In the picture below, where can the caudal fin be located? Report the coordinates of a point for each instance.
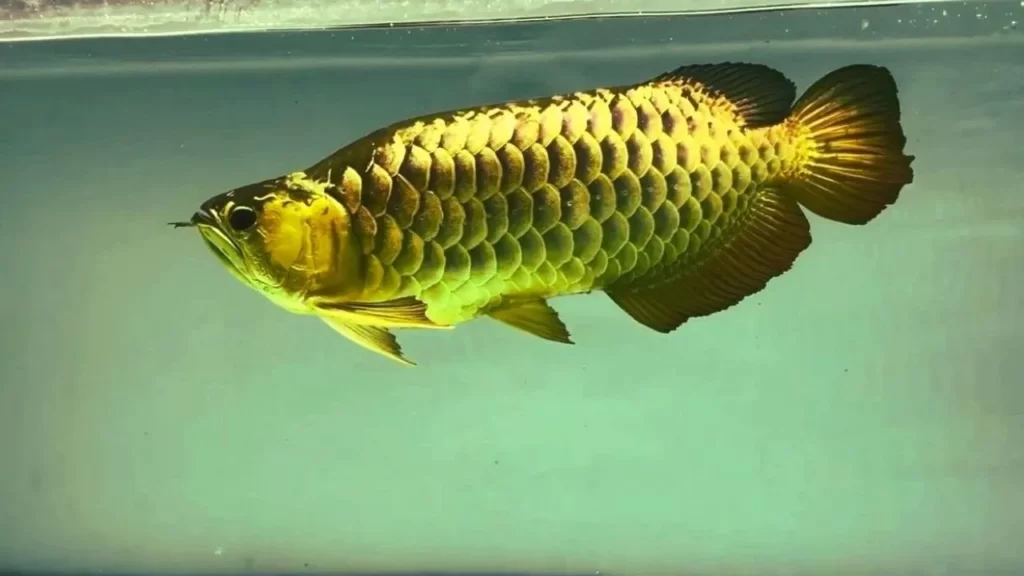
(855, 166)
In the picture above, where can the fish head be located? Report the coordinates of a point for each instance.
(286, 238)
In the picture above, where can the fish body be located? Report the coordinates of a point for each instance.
(677, 197)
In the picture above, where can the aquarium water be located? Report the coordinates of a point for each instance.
(861, 415)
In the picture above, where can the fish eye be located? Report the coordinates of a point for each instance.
(242, 218)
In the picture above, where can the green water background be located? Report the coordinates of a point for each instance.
(863, 415)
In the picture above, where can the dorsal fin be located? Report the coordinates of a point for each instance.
(762, 95)
(762, 245)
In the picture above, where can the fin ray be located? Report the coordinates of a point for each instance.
(535, 317)
(761, 95)
(763, 245)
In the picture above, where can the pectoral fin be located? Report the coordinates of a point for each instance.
(535, 317)
(374, 338)
(400, 313)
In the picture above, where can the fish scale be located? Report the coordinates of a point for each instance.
(563, 195)
(678, 197)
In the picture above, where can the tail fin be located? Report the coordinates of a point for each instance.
(855, 165)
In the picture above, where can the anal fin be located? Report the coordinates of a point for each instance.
(760, 245)
(535, 317)
(373, 338)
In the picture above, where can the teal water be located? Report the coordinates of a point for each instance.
(862, 415)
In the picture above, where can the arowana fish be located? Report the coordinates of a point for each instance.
(678, 197)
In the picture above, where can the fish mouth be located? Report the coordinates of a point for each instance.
(225, 248)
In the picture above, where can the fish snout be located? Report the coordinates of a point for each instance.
(205, 217)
